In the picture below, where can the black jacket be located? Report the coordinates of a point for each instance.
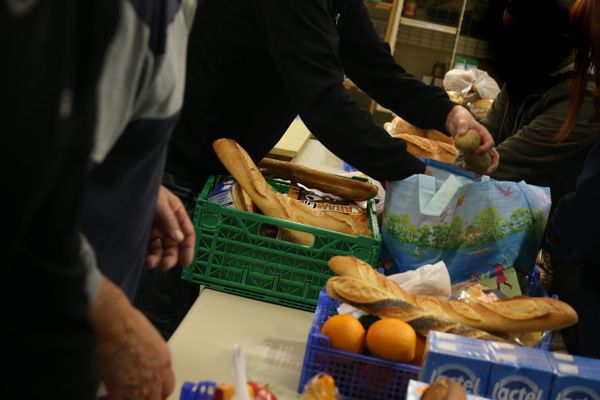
(51, 61)
(253, 65)
(574, 240)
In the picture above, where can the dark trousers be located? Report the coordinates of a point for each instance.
(164, 297)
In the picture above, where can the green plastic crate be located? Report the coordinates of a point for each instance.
(234, 257)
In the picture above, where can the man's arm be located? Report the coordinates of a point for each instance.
(133, 359)
(368, 63)
(304, 45)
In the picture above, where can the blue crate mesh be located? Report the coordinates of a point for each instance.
(356, 376)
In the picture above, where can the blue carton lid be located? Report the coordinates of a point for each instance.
(585, 371)
(523, 359)
(568, 358)
(434, 337)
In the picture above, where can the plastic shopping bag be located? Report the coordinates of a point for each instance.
(465, 82)
(476, 226)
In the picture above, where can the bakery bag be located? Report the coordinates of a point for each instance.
(475, 225)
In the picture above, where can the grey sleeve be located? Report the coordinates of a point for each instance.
(93, 274)
(494, 119)
(532, 151)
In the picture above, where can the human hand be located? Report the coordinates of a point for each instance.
(495, 161)
(460, 120)
(494, 155)
(172, 237)
(133, 359)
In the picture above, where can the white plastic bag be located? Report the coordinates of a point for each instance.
(465, 82)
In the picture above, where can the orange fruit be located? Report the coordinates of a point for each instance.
(419, 350)
(345, 332)
(392, 340)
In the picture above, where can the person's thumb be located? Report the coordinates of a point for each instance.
(168, 223)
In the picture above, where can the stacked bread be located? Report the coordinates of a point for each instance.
(428, 143)
(359, 285)
(246, 173)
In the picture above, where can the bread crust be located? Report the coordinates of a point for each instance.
(346, 188)
(246, 173)
(512, 315)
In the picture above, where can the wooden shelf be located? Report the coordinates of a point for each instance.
(417, 23)
(385, 6)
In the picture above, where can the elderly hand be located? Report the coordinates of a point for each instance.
(172, 237)
(460, 120)
(132, 357)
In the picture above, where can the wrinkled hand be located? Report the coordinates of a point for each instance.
(460, 120)
(133, 359)
(172, 237)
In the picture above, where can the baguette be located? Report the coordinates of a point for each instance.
(513, 315)
(346, 188)
(423, 147)
(398, 126)
(242, 168)
(354, 291)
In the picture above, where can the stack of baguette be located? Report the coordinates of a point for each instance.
(246, 173)
(428, 143)
(359, 285)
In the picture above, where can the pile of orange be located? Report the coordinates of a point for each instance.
(387, 338)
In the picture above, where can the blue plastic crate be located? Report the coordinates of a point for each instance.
(356, 376)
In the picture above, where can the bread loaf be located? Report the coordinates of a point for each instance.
(246, 173)
(512, 315)
(346, 188)
(423, 147)
(355, 292)
(398, 126)
(444, 389)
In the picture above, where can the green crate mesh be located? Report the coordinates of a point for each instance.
(234, 256)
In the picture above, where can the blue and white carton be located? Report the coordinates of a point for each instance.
(449, 356)
(571, 359)
(578, 380)
(519, 374)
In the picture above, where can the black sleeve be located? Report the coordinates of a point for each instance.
(52, 53)
(370, 65)
(304, 45)
(575, 226)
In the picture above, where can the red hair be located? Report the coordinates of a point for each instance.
(585, 23)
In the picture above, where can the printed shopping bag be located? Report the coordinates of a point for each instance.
(475, 225)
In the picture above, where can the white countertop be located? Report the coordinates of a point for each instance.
(272, 337)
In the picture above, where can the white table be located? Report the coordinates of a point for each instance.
(272, 337)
